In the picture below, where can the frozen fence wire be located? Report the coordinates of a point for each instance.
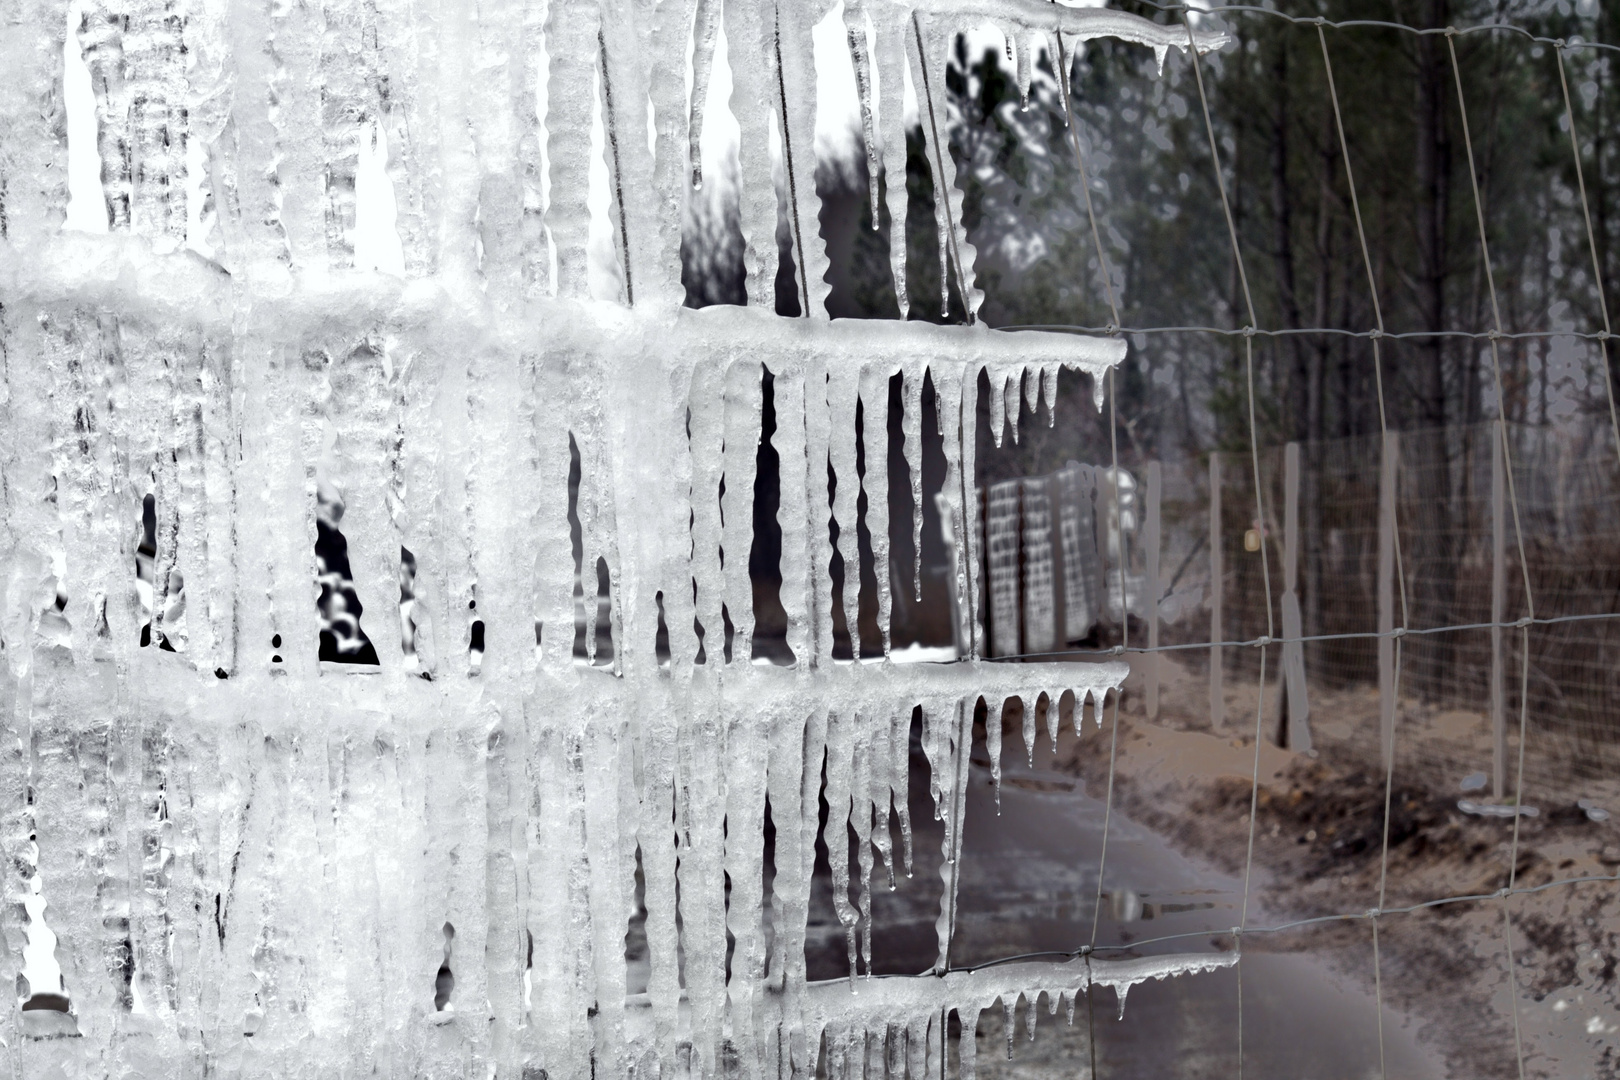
(428, 865)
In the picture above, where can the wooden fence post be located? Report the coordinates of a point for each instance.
(1498, 603)
(1293, 627)
(1150, 601)
(1217, 692)
(1386, 594)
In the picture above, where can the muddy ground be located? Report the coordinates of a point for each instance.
(1318, 850)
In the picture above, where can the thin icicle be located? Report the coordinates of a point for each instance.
(1058, 48)
(875, 481)
(911, 428)
(879, 734)
(743, 406)
(968, 407)
(1009, 1010)
(1054, 720)
(861, 58)
(1049, 387)
(1014, 400)
(891, 27)
(998, 405)
(933, 132)
(705, 30)
(835, 834)
(992, 743)
(843, 394)
(860, 818)
(900, 777)
(1029, 728)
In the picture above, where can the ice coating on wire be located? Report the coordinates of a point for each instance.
(428, 866)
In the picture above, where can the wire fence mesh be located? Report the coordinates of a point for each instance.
(1462, 580)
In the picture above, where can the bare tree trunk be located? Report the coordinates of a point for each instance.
(1316, 360)
(1429, 562)
(1282, 210)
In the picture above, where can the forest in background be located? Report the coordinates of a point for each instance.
(1183, 394)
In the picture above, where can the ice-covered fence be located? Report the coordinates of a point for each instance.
(255, 863)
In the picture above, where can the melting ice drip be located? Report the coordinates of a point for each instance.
(268, 856)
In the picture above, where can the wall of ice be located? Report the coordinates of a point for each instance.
(221, 852)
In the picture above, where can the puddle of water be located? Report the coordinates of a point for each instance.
(1029, 883)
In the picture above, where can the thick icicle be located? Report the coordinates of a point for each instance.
(790, 890)
(917, 1053)
(658, 858)
(747, 765)
(705, 425)
(743, 403)
(1032, 376)
(967, 1044)
(701, 871)
(948, 402)
(571, 39)
(799, 574)
(1026, 65)
(753, 94)
(488, 806)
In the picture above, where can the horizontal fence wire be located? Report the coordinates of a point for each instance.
(1262, 641)
(1369, 335)
(1200, 11)
(1275, 928)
